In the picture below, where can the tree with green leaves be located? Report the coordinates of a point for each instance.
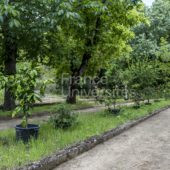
(152, 40)
(23, 26)
(142, 78)
(159, 16)
(103, 30)
(23, 87)
(163, 65)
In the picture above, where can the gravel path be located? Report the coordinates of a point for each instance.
(143, 147)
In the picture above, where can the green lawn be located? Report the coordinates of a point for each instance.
(51, 108)
(14, 154)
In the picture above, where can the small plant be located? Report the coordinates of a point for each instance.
(63, 118)
(136, 97)
(109, 98)
(142, 77)
(24, 86)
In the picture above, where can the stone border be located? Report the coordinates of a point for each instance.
(66, 154)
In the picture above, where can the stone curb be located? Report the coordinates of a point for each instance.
(66, 154)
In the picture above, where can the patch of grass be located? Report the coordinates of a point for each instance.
(51, 108)
(13, 154)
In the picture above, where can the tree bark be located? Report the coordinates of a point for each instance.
(10, 69)
(72, 91)
(10, 55)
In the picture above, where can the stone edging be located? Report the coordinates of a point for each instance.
(66, 154)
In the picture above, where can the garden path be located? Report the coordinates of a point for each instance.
(143, 147)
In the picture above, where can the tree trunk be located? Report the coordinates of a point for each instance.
(148, 101)
(72, 92)
(71, 99)
(9, 100)
(10, 55)
(90, 42)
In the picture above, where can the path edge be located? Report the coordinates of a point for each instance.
(52, 161)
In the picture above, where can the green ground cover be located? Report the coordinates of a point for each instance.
(51, 108)
(13, 154)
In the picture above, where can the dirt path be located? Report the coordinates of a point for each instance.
(143, 147)
(6, 124)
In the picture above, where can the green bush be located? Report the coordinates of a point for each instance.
(113, 111)
(63, 118)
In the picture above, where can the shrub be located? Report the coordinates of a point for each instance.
(113, 111)
(63, 118)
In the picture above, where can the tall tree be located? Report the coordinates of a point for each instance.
(23, 25)
(9, 22)
(103, 30)
(152, 40)
(159, 16)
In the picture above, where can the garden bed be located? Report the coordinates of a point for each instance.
(15, 154)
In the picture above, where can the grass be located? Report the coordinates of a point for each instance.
(51, 108)
(13, 154)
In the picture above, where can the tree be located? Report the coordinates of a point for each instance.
(152, 41)
(9, 22)
(159, 16)
(24, 83)
(114, 87)
(163, 65)
(89, 44)
(144, 47)
(23, 25)
(142, 76)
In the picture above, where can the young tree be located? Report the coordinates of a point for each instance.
(142, 77)
(163, 65)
